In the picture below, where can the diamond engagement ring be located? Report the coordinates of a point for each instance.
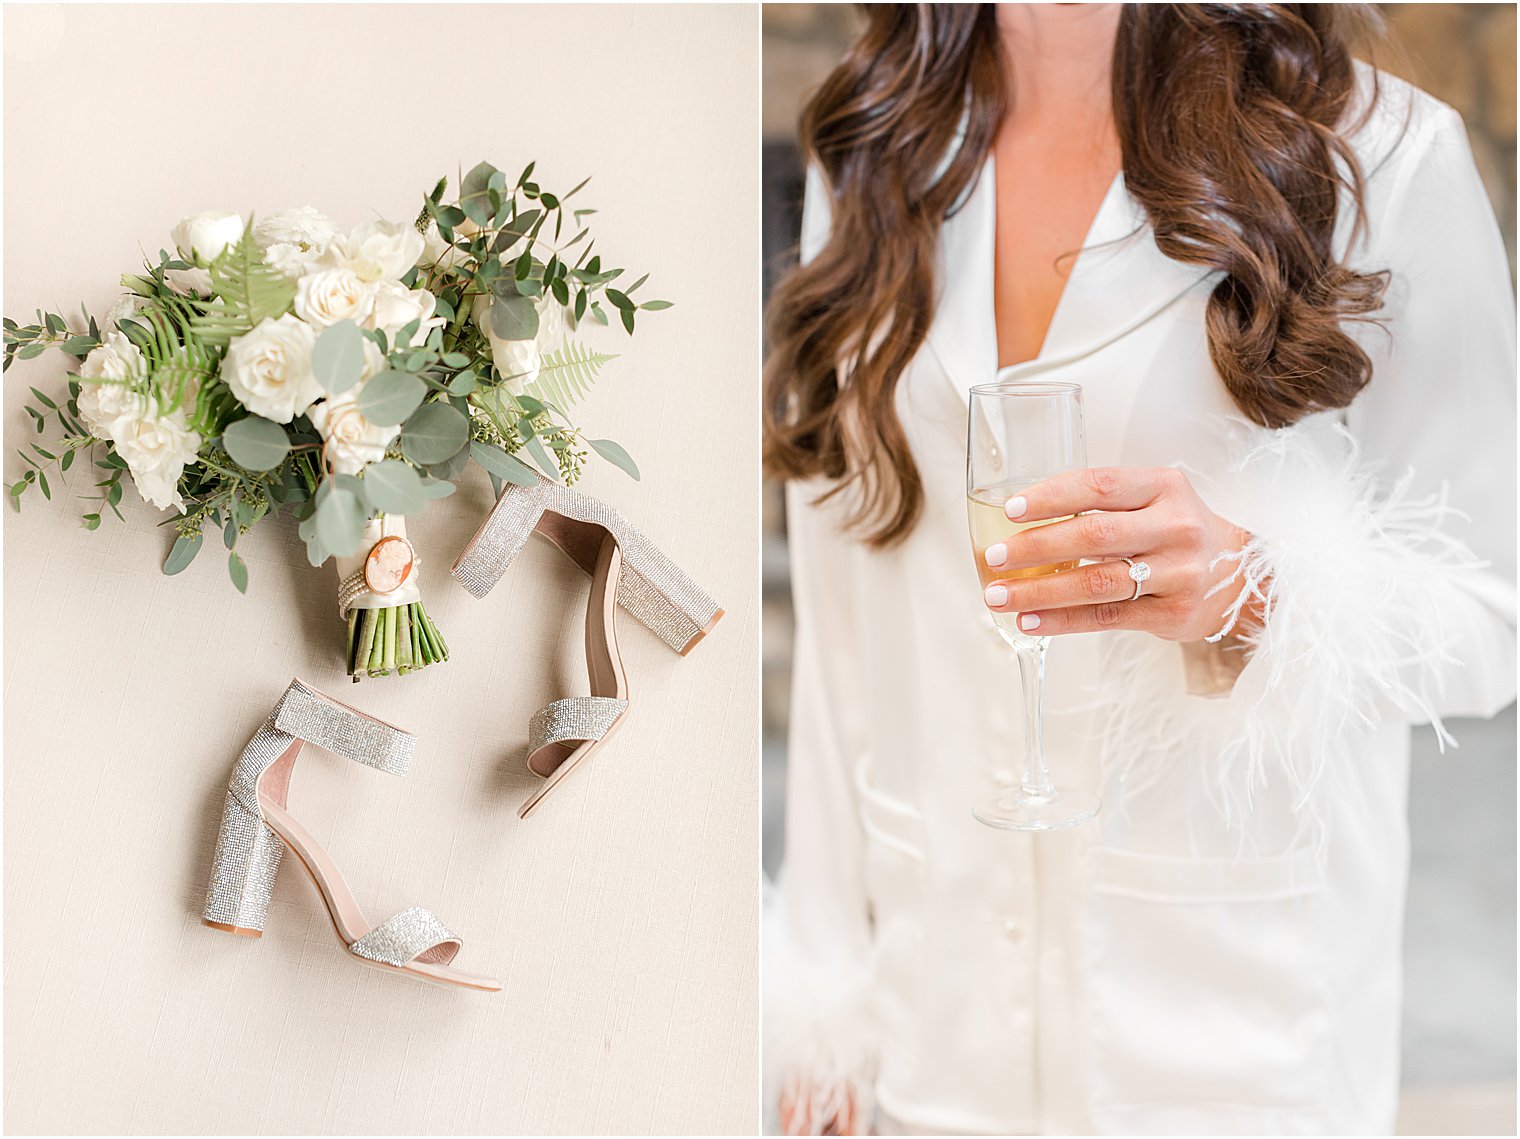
(1139, 573)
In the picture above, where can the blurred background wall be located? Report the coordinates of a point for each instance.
(1459, 1040)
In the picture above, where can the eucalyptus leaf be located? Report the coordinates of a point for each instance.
(389, 398)
(452, 467)
(475, 194)
(340, 519)
(514, 318)
(354, 485)
(542, 457)
(437, 488)
(615, 455)
(338, 358)
(256, 443)
(435, 433)
(237, 569)
(518, 228)
(182, 553)
(394, 487)
(503, 465)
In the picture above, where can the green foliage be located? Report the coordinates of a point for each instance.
(394, 487)
(337, 360)
(615, 455)
(247, 292)
(502, 465)
(390, 397)
(180, 365)
(28, 341)
(183, 552)
(435, 433)
(256, 443)
(565, 376)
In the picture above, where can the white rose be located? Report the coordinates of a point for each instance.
(129, 304)
(330, 295)
(202, 237)
(157, 448)
(436, 251)
(396, 306)
(294, 241)
(518, 361)
(189, 282)
(351, 440)
(378, 250)
(116, 362)
(269, 368)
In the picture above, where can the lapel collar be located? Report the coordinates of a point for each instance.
(1120, 281)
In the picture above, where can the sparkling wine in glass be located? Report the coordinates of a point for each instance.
(1020, 434)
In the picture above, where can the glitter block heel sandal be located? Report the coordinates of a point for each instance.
(625, 570)
(257, 828)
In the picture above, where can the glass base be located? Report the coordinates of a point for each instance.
(1013, 810)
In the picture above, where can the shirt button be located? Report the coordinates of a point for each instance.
(1012, 930)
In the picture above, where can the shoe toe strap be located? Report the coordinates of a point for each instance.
(575, 719)
(412, 935)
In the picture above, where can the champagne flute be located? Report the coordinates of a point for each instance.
(1021, 434)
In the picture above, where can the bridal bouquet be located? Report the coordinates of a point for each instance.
(349, 377)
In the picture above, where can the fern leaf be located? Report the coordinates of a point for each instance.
(248, 292)
(566, 376)
(179, 363)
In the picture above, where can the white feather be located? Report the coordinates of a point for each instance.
(1353, 577)
(819, 1034)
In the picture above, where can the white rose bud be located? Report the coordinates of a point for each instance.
(378, 250)
(189, 282)
(202, 237)
(157, 448)
(330, 295)
(115, 363)
(435, 250)
(269, 369)
(294, 241)
(351, 441)
(128, 305)
(518, 361)
(396, 306)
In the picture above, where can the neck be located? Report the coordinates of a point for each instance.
(1058, 59)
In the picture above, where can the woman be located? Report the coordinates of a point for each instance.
(1293, 323)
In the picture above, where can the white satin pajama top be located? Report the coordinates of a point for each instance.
(1219, 952)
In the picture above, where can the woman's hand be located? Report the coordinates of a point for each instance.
(1149, 514)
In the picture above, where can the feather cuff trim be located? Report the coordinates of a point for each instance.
(1355, 582)
(819, 1036)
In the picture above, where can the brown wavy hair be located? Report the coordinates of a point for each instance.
(1231, 133)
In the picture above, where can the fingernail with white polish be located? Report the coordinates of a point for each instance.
(1015, 506)
(996, 555)
(996, 595)
(1029, 622)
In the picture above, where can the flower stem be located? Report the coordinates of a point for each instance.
(397, 640)
(404, 639)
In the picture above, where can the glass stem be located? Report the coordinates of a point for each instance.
(1036, 782)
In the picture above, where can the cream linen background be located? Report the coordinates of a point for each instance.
(622, 918)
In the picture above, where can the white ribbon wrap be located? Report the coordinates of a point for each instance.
(386, 526)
